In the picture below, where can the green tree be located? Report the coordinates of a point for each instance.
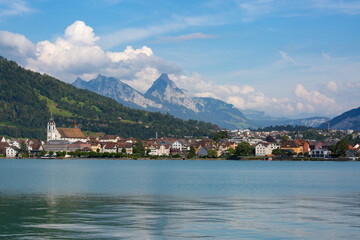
(231, 151)
(285, 138)
(23, 148)
(276, 152)
(212, 153)
(123, 150)
(139, 148)
(270, 139)
(221, 135)
(51, 153)
(192, 152)
(342, 147)
(243, 149)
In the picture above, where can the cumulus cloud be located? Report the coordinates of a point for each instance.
(332, 86)
(78, 53)
(314, 100)
(16, 46)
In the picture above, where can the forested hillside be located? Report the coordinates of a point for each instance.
(27, 98)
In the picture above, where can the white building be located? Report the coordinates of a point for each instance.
(177, 145)
(67, 134)
(320, 153)
(11, 151)
(265, 148)
(159, 150)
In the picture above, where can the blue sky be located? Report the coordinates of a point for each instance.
(285, 57)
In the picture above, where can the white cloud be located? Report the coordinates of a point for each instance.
(314, 100)
(13, 8)
(16, 46)
(332, 86)
(78, 53)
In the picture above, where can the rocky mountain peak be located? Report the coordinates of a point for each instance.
(161, 85)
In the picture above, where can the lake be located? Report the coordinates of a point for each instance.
(174, 199)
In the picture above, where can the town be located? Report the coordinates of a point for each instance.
(233, 144)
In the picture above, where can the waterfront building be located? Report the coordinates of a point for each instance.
(66, 134)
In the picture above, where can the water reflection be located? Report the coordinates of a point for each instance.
(167, 217)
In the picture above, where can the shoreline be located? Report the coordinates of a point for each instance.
(195, 159)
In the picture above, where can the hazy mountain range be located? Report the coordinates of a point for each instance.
(164, 96)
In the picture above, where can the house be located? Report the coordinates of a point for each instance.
(3, 146)
(79, 145)
(67, 134)
(95, 145)
(313, 144)
(351, 154)
(298, 146)
(110, 138)
(320, 153)
(109, 147)
(159, 150)
(125, 145)
(202, 152)
(176, 146)
(265, 148)
(11, 151)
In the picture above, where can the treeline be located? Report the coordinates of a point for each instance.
(289, 128)
(27, 98)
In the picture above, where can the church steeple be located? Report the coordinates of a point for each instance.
(51, 129)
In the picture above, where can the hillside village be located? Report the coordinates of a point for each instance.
(237, 144)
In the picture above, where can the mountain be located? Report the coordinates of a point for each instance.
(164, 96)
(307, 122)
(345, 121)
(27, 98)
(117, 90)
(261, 119)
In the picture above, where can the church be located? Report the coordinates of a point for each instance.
(67, 134)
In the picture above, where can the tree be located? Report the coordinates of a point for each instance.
(51, 153)
(270, 139)
(276, 152)
(123, 150)
(139, 148)
(192, 152)
(342, 147)
(231, 151)
(243, 149)
(212, 153)
(285, 138)
(23, 148)
(221, 135)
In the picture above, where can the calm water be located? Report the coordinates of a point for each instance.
(104, 199)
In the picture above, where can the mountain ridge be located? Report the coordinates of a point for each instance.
(27, 98)
(168, 98)
(345, 121)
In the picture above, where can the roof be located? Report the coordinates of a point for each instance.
(110, 145)
(108, 137)
(71, 133)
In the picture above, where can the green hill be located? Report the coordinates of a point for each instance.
(27, 98)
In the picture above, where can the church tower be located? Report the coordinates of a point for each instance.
(51, 130)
